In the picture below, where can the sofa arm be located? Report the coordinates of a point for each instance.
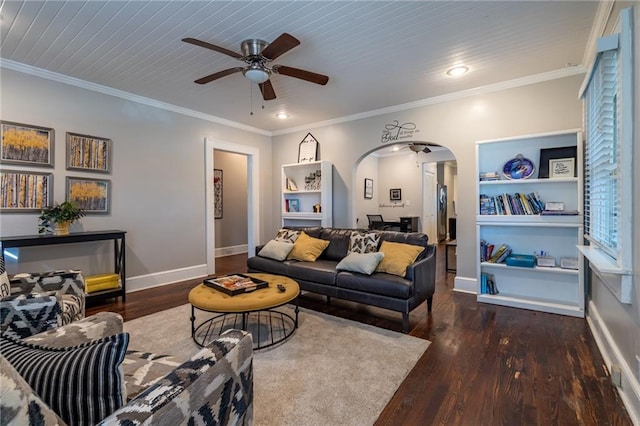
(214, 387)
(70, 284)
(95, 327)
(423, 276)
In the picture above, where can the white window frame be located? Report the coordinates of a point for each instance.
(614, 267)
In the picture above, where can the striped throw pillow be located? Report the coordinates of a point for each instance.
(82, 384)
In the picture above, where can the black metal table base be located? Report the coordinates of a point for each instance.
(268, 327)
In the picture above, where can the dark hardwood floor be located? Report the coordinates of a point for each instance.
(487, 365)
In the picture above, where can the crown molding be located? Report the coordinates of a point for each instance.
(72, 81)
(509, 84)
(599, 26)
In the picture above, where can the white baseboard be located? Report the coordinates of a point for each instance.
(142, 282)
(228, 251)
(465, 285)
(630, 390)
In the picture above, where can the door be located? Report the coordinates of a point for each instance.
(429, 204)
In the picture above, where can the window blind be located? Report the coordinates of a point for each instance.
(602, 176)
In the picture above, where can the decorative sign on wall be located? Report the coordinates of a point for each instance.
(308, 149)
(395, 131)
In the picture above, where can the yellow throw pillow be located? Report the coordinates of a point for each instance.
(397, 257)
(307, 249)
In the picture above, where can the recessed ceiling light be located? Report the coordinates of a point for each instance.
(457, 71)
(395, 148)
(282, 115)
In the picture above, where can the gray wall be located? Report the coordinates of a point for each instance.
(456, 125)
(158, 178)
(231, 230)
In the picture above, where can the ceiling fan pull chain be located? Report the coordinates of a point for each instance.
(251, 99)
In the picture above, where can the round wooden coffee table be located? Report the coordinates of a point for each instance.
(255, 312)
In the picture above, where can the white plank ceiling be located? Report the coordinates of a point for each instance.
(378, 54)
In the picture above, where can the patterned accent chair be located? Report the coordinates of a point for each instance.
(38, 302)
(214, 387)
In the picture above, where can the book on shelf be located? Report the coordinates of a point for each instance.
(500, 254)
(517, 204)
(291, 185)
(559, 213)
(487, 205)
(488, 284)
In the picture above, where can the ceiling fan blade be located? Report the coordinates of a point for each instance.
(279, 46)
(212, 47)
(268, 93)
(217, 75)
(301, 74)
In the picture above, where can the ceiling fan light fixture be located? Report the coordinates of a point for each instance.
(256, 74)
(457, 71)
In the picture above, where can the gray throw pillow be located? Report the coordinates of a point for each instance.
(363, 263)
(276, 250)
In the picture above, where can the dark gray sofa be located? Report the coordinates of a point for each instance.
(401, 294)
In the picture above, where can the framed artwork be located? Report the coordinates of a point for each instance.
(26, 145)
(395, 194)
(217, 193)
(88, 153)
(91, 195)
(555, 153)
(561, 167)
(27, 192)
(368, 189)
(294, 205)
(308, 149)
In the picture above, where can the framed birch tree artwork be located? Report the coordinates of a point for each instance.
(88, 153)
(91, 195)
(23, 191)
(26, 145)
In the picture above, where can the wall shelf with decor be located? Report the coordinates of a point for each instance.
(531, 213)
(306, 194)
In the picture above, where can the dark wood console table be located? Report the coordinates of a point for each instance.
(119, 250)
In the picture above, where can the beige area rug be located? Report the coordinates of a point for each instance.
(331, 371)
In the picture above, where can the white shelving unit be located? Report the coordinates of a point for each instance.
(547, 289)
(307, 198)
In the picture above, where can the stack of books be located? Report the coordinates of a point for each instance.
(489, 176)
(488, 284)
(511, 204)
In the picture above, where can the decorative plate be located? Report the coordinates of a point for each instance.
(518, 168)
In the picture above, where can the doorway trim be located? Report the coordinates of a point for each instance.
(253, 196)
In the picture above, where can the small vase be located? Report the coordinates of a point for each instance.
(61, 228)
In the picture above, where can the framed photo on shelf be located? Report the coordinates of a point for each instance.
(217, 193)
(395, 194)
(26, 145)
(25, 192)
(562, 167)
(294, 205)
(88, 153)
(91, 195)
(547, 154)
(368, 189)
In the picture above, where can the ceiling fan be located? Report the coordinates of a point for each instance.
(419, 147)
(258, 54)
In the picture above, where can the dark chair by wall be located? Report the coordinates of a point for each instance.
(377, 222)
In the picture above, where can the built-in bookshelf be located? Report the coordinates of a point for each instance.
(525, 228)
(307, 194)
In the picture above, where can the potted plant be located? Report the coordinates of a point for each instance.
(59, 217)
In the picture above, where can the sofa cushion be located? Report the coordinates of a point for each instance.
(19, 404)
(56, 373)
(413, 238)
(364, 263)
(143, 369)
(312, 231)
(397, 257)
(321, 271)
(276, 250)
(263, 264)
(287, 235)
(364, 242)
(27, 314)
(378, 283)
(338, 242)
(307, 249)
